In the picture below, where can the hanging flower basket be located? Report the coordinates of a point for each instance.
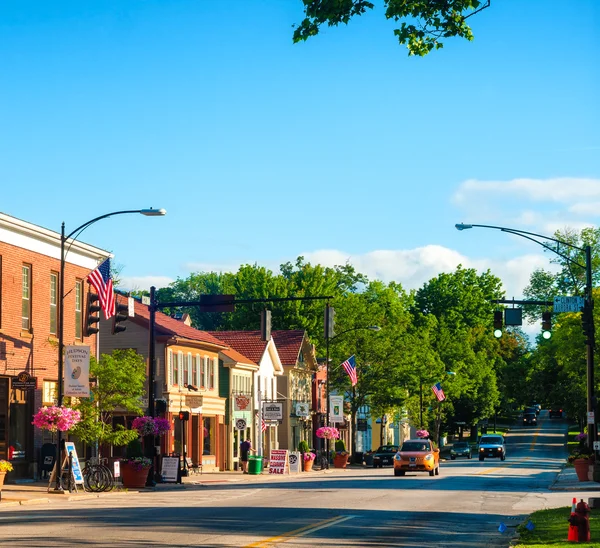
(56, 418)
(422, 434)
(151, 426)
(328, 433)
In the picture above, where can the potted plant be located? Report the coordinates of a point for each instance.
(340, 460)
(5, 467)
(328, 433)
(581, 463)
(135, 467)
(308, 460)
(56, 418)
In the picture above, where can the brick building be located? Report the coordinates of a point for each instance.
(29, 298)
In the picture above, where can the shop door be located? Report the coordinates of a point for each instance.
(3, 419)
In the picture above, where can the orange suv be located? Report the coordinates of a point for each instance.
(417, 456)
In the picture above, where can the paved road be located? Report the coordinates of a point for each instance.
(371, 508)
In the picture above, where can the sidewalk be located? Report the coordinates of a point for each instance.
(567, 481)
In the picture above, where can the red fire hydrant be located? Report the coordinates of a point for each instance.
(581, 520)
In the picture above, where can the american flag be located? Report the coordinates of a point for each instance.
(350, 366)
(439, 393)
(102, 282)
(263, 426)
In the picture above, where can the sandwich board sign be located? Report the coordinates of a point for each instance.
(169, 469)
(279, 461)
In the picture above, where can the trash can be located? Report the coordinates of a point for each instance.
(255, 464)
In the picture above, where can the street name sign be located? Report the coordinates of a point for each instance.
(568, 304)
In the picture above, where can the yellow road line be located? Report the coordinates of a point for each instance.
(490, 470)
(299, 532)
(533, 441)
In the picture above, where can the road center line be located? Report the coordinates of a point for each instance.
(302, 531)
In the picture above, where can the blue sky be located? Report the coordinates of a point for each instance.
(341, 148)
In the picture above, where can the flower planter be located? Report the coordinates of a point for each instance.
(340, 461)
(132, 478)
(582, 467)
(308, 465)
(2, 476)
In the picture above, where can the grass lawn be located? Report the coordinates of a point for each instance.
(552, 528)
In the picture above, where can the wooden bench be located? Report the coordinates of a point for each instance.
(193, 468)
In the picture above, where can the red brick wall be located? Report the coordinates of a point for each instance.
(19, 350)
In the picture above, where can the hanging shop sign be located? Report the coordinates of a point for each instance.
(24, 381)
(302, 409)
(273, 411)
(241, 402)
(241, 424)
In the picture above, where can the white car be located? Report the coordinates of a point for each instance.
(492, 446)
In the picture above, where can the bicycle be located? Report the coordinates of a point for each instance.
(97, 477)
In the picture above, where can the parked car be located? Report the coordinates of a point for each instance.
(556, 413)
(530, 418)
(417, 456)
(460, 449)
(492, 446)
(384, 456)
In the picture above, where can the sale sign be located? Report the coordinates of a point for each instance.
(279, 461)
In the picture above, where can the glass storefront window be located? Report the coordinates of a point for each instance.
(208, 436)
(19, 428)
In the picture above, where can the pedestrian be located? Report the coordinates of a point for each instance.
(245, 448)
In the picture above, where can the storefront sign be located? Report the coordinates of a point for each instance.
(169, 469)
(241, 402)
(273, 411)
(302, 410)
(279, 461)
(194, 401)
(336, 409)
(295, 462)
(241, 424)
(24, 381)
(77, 371)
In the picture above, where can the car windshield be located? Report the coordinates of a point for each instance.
(491, 439)
(529, 415)
(415, 446)
(388, 449)
(461, 445)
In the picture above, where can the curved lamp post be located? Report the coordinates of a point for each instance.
(61, 295)
(327, 341)
(588, 306)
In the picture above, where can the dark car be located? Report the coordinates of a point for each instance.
(460, 449)
(492, 445)
(556, 413)
(530, 418)
(384, 456)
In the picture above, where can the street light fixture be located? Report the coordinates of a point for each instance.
(588, 306)
(61, 295)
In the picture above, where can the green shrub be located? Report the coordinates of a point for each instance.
(134, 449)
(303, 447)
(340, 445)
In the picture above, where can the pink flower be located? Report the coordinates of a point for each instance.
(328, 432)
(55, 418)
(422, 434)
(309, 456)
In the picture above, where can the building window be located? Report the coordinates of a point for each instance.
(196, 370)
(203, 373)
(26, 298)
(209, 426)
(211, 375)
(49, 392)
(79, 309)
(0, 292)
(169, 368)
(180, 366)
(174, 369)
(53, 303)
(187, 366)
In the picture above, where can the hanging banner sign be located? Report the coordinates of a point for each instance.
(272, 411)
(279, 461)
(336, 408)
(241, 402)
(77, 371)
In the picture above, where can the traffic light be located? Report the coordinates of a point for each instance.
(546, 325)
(329, 322)
(92, 314)
(498, 323)
(587, 320)
(184, 415)
(121, 315)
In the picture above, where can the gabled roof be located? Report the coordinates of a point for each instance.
(165, 325)
(247, 343)
(289, 345)
(234, 355)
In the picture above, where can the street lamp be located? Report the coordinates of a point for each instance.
(588, 306)
(327, 341)
(61, 295)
